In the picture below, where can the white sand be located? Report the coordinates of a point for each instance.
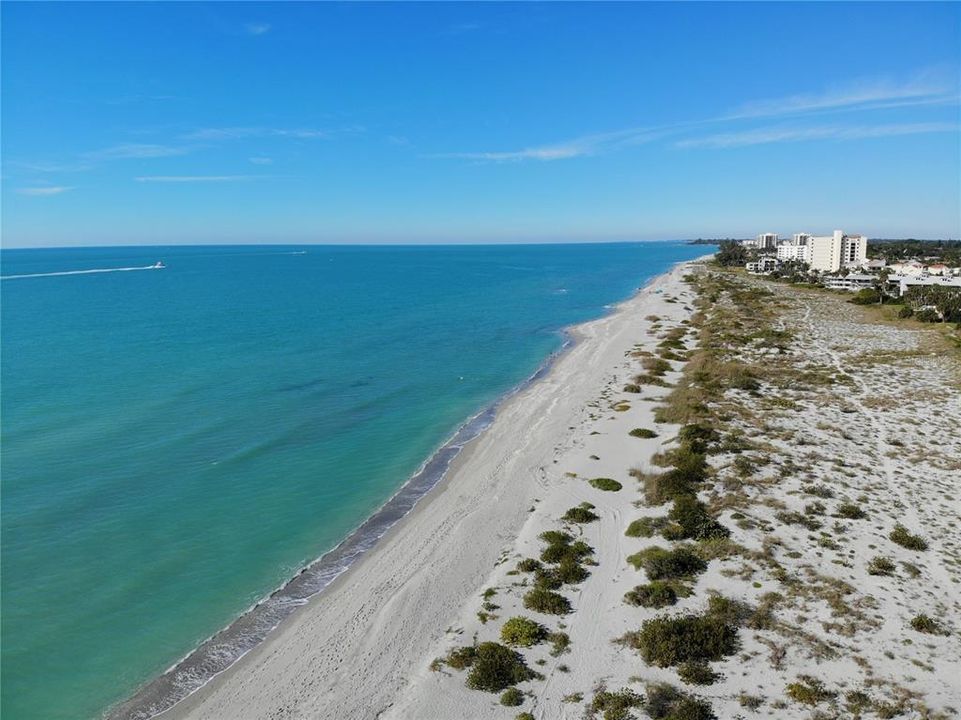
(353, 651)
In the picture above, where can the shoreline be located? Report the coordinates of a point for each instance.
(315, 577)
(170, 694)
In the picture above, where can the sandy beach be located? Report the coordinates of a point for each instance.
(815, 462)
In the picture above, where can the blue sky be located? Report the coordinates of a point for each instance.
(162, 123)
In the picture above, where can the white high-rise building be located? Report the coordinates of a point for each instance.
(766, 241)
(830, 253)
(854, 252)
(788, 252)
(800, 239)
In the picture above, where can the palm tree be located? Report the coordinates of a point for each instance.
(880, 285)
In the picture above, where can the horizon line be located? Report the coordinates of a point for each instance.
(689, 240)
(359, 244)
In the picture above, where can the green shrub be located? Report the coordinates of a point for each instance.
(732, 612)
(655, 594)
(669, 354)
(902, 537)
(606, 484)
(460, 658)
(632, 388)
(661, 699)
(692, 520)
(665, 702)
(547, 602)
(496, 667)
(856, 701)
(689, 464)
(689, 469)
(560, 642)
(698, 437)
(580, 515)
(924, 624)
(672, 640)
(850, 511)
(866, 296)
(556, 537)
(571, 572)
(881, 566)
(558, 552)
(657, 367)
(905, 312)
(697, 673)
(578, 550)
(643, 433)
(524, 716)
(648, 379)
(659, 488)
(615, 705)
(808, 691)
(927, 315)
(547, 578)
(512, 697)
(528, 565)
(660, 564)
(522, 632)
(821, 491)
(646, 527)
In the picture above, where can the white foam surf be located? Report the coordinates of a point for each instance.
(80, 272)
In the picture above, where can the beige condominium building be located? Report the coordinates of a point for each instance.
(830, 253)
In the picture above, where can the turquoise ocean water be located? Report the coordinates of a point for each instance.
(179, 442)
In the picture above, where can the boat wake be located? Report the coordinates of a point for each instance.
(155, 266)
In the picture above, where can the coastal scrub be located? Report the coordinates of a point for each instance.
(659, 563)
(606, 484)
(902, 537)
(522, 632)
(672, 640)
(547, 602)
(493, 667)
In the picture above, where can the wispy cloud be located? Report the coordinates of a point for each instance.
(257, 28)
(585, 145)
(261, 160)
(135, 151)
(193, 178)
(237, 133)
(48, 167)
(44, 191)
(547, 152)
(926, 88)
(766, 136)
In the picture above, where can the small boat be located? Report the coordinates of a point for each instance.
(159, 265)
